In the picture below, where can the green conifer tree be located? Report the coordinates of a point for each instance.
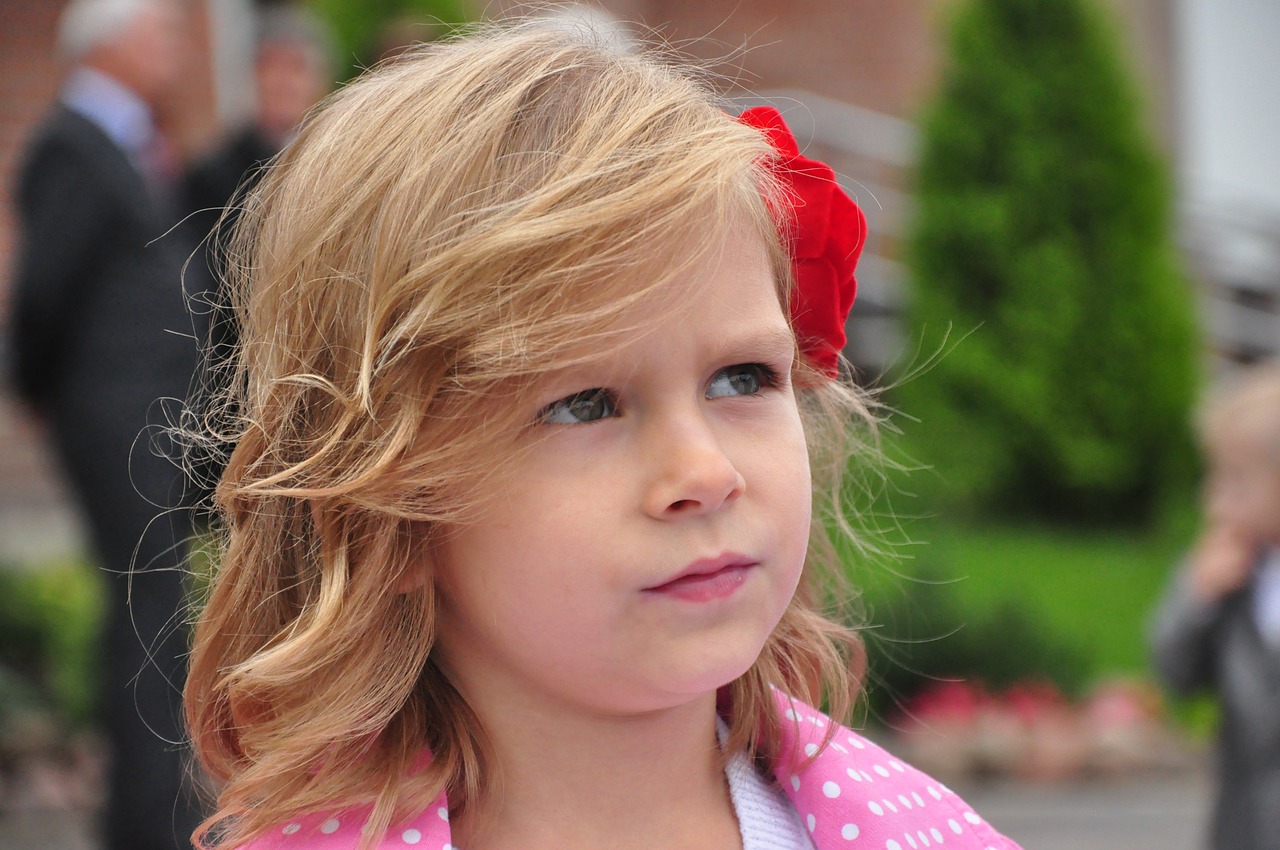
(1041, 250)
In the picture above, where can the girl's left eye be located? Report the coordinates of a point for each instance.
(743, 379)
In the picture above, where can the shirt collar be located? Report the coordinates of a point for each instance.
(113, 107)
(1266, 596)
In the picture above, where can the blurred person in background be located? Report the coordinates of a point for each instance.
(292, 71)
(100, 334)
(1218, 628)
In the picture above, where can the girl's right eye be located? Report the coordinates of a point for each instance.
(586, 406)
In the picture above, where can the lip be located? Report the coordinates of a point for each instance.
(706, 579)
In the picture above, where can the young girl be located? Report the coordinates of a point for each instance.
(537, 344)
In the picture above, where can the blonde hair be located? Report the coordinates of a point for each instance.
(1246, 405)
(443, 231)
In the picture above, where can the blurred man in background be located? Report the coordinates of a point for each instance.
(100, 334)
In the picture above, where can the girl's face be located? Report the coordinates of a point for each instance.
(651, 534)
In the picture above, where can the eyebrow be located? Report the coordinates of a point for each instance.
(774, 340)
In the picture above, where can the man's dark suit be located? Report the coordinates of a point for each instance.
(100, 333)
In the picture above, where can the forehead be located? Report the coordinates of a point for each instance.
(729, 286)
(726, 301)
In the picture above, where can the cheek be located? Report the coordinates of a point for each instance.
(791, 482)
(1269, 507)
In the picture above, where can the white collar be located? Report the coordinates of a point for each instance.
(1266, 596)
(115, 108)
(766, 818)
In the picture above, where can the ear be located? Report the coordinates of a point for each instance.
(417, 572)
(413, 578)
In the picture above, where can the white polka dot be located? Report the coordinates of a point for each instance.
(937, 836)
(882, 770)
(897, 765)
(888, 804)
(911, 841)
(924, 839)
(839, 748)
(867, 776)
(791, 715)
(810, 749)
(411, 836)
(875, 808)
(795, 783)
(443, 812)
(330, 826)
(292, 828)
(955, 827)
(448, 847)
(849, 831)
(972, 818)
(857, 744)
(853, 774)
(822, 724)
(892, 845)
(831, 789)
(934, 793)
(812, 822)
(917, 798)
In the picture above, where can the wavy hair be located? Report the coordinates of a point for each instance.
(443, 231)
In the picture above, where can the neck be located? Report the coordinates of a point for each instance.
(584, 780)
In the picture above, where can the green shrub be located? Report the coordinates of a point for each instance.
(1043, 268)
(49, 623)
(922, 636)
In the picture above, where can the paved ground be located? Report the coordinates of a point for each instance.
(1148, 814)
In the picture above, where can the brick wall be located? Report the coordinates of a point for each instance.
(33, 518)
(877, 54)
(36, 520)
(28, 80)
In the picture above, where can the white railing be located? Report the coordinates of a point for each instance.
(1235, 256)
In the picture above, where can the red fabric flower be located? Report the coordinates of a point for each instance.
(826, 231)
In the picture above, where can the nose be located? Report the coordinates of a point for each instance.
(692, 472)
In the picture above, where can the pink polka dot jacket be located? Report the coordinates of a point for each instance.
(851, 794)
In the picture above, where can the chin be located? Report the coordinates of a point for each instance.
(719, 672)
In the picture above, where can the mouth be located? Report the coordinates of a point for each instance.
(706, 579)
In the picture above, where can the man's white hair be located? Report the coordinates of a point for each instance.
(87, 23)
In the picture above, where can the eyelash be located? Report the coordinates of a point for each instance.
(767, 376)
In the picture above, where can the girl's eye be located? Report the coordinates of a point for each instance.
(743, 379)
(586, 406)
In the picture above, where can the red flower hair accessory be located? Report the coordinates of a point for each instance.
(826, 231)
